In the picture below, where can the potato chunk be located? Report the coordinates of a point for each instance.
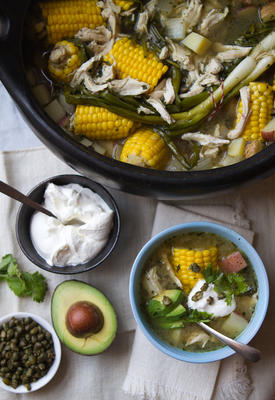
(198, 43)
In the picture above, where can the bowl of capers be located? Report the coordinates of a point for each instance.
(30, 352)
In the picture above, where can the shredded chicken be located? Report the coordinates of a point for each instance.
(198, 337)
(228, 52)
(100, 34)
(213, 66)
(213, 18)
(85, 67)
(181, 55)
(108, 73)
(128, 87)
(151, 282)
(245, 98)
(164, 91)
(91, 85)
(158, 105)
(204, 140)
(144, 110)
(191, 15)
(145, 16)
(164, 53)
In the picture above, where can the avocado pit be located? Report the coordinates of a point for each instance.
(84, 319)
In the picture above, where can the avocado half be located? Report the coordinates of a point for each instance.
(69, 300)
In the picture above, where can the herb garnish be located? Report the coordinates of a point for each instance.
(226, 284)
(20, 282)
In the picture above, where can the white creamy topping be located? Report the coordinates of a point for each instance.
(81, 230)
(217, 307)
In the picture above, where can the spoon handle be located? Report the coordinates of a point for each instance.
(16, 195)
(248, 352)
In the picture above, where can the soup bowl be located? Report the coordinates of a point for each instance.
(244, 246)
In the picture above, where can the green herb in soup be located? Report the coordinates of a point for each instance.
(175, 85)
(197, 277)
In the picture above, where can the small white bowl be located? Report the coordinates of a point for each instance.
(57, 348)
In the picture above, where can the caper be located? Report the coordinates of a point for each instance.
(28, 386)
(41, 366)
(197, 296)
(37, 346)
(14, 383)
(41, 357)
(5, 326)
(6, 381)
(3, 334)
(34, 331)
(40, 337)
(29, 372)
(8, 375)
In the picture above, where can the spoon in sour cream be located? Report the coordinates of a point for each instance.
(16, 195)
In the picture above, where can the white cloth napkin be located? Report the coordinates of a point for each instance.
(102, 377)
(151, 374)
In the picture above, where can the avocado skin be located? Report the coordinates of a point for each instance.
(96, 343)
(155, 306)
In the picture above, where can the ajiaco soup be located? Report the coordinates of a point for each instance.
(197, 277)
(174, 85)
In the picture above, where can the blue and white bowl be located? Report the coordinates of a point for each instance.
(261, 305)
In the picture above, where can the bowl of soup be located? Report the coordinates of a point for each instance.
(152, 102)
(198, 272)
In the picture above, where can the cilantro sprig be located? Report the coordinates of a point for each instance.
(20, 282)
(226, 284)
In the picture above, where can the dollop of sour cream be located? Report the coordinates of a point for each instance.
(81, 230)
(209, 302)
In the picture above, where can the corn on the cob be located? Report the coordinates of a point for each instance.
(64, 59)
(261, 102)
(99, 123)
(182, 260)
(124, 4)
(145, 148)
(132, 61)
(64, 18)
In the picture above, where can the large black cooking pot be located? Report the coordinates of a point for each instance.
(112, 173)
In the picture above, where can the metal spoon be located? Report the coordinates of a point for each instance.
(248, 352)
(16, 195)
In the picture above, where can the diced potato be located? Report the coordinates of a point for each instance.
(268, 132)
(228, 160)
(246, 305)
(234, 325)
(268, 12)
(42, 94)
(236, 147)
(198, 43)
(253, 148)
(55, 110)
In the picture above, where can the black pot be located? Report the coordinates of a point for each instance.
(112, 173)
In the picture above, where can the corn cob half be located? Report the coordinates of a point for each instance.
(131, 60)
(185, 262)
(99, 123)
(124, 4)
(64, 18)
(64, 59)
(261, 102)
(145, 148)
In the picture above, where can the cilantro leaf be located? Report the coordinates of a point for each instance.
(22, 283)
(238, 283)
(210, 274)
(37, 285)
(198, 316)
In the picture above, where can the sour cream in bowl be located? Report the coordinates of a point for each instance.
(83, 234)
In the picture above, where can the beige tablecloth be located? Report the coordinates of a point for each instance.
(259, 207)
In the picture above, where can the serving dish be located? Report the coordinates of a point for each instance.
(57, 347)
(141, 181)
(244, 246)
(25, 213)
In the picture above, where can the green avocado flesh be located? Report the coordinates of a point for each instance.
(70, 292)
(164, 303)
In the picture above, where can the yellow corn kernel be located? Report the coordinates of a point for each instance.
(124, 4)
(64, 59)
(132, 61)
(145, 148)
(261, 102)
(105, 124)
(181, 260)
(64, 18)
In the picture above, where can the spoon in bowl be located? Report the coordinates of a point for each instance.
(16, 195)
(247, 352)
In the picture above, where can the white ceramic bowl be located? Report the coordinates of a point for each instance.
(57, 348)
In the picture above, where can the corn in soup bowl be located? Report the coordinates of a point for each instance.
(194, 272)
